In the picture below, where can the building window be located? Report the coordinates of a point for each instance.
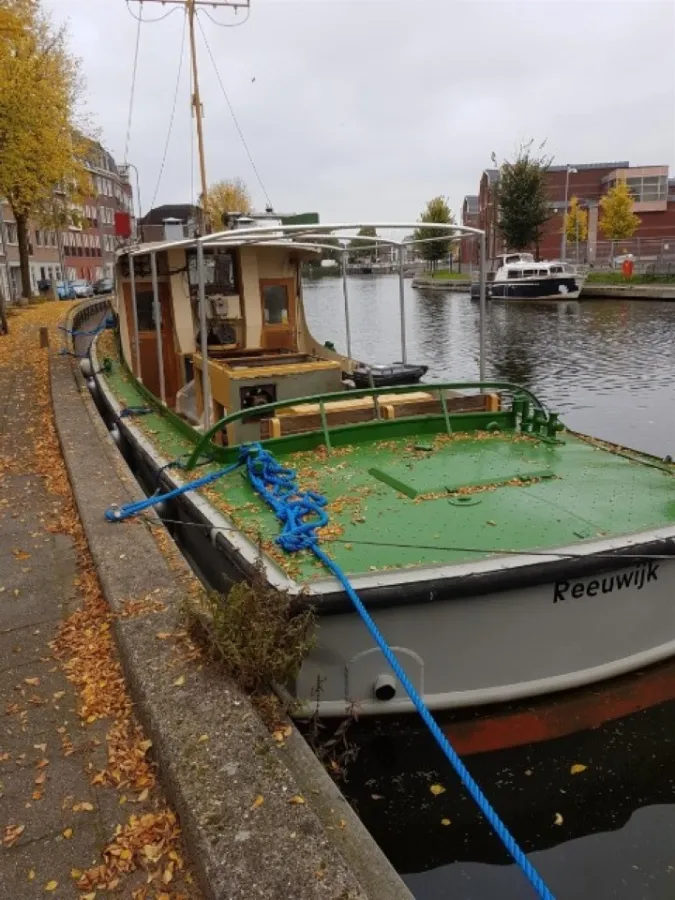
(646, 189)
(38, 239)
(10, 228)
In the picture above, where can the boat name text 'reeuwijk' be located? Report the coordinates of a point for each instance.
(635, 578)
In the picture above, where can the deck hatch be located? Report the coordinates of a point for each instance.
(418, 479)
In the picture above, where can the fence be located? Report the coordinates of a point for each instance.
(651, 256)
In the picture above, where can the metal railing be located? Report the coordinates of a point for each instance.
(654, 256)
(529, 407)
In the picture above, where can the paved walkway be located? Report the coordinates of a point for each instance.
(73, 762)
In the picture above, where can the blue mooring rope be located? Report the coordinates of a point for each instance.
(278, 487)
(118, 513)
(135, 411)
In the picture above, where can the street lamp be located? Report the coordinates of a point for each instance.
(563, 243)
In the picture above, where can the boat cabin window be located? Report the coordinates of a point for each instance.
(146, 310)
(275, 304)
(528, 273)
(220, 272)
(556, 270)
(512, 273)
(543, 272)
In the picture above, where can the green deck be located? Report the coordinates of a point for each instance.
(469, 491)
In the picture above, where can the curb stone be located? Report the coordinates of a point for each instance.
(214, 754)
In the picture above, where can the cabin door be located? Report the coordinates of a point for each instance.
(148, 338)
(279, 329)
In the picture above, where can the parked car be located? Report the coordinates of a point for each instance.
(104, 286)
(82, 288)
(64, 290)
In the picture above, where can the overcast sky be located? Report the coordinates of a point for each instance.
(366, 109)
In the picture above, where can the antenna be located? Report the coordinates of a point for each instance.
(191, 7)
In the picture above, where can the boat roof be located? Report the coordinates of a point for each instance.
(309, 235)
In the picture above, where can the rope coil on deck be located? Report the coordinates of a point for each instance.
(301, 513)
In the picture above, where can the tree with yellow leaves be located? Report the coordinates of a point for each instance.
(40, 151)
(576, 222)
(226, 197)
(617, 220)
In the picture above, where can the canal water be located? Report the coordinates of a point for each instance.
(607, 831)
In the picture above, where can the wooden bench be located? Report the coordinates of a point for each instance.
(299, 419)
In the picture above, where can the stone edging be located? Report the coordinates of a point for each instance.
(318, 849)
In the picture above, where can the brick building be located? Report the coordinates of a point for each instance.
(85, 251)
(653, 190)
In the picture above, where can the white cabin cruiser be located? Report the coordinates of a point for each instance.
(518, 276)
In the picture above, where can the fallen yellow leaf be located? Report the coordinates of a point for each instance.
(33, 682)
(31, 875)
(259, 800)
(51, 885)
(68, 833)
(91, 896)
(179, 681)
(143, 796)
(76, 873)
(42, 764)
(41, 747)
(297, 800)
(82, 807)
(557, 819)
(445, 821)
(437, 789)
(577, 768)
(202, 738)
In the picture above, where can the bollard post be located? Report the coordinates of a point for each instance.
(44, 337)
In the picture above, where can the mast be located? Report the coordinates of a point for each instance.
(197, 106)
(190, 11)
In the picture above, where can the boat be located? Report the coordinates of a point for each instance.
(387, 376)
(512, 564)
(518, 276)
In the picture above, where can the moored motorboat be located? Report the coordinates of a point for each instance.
(518, 276)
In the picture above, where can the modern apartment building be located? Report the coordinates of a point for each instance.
(652, 188)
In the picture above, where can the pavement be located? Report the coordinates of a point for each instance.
(119, 741)
(79, 799)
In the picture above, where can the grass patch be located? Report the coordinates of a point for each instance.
(447, 275)
(619, 278)
(254, 634)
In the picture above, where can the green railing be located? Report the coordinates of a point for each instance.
(533, 414)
